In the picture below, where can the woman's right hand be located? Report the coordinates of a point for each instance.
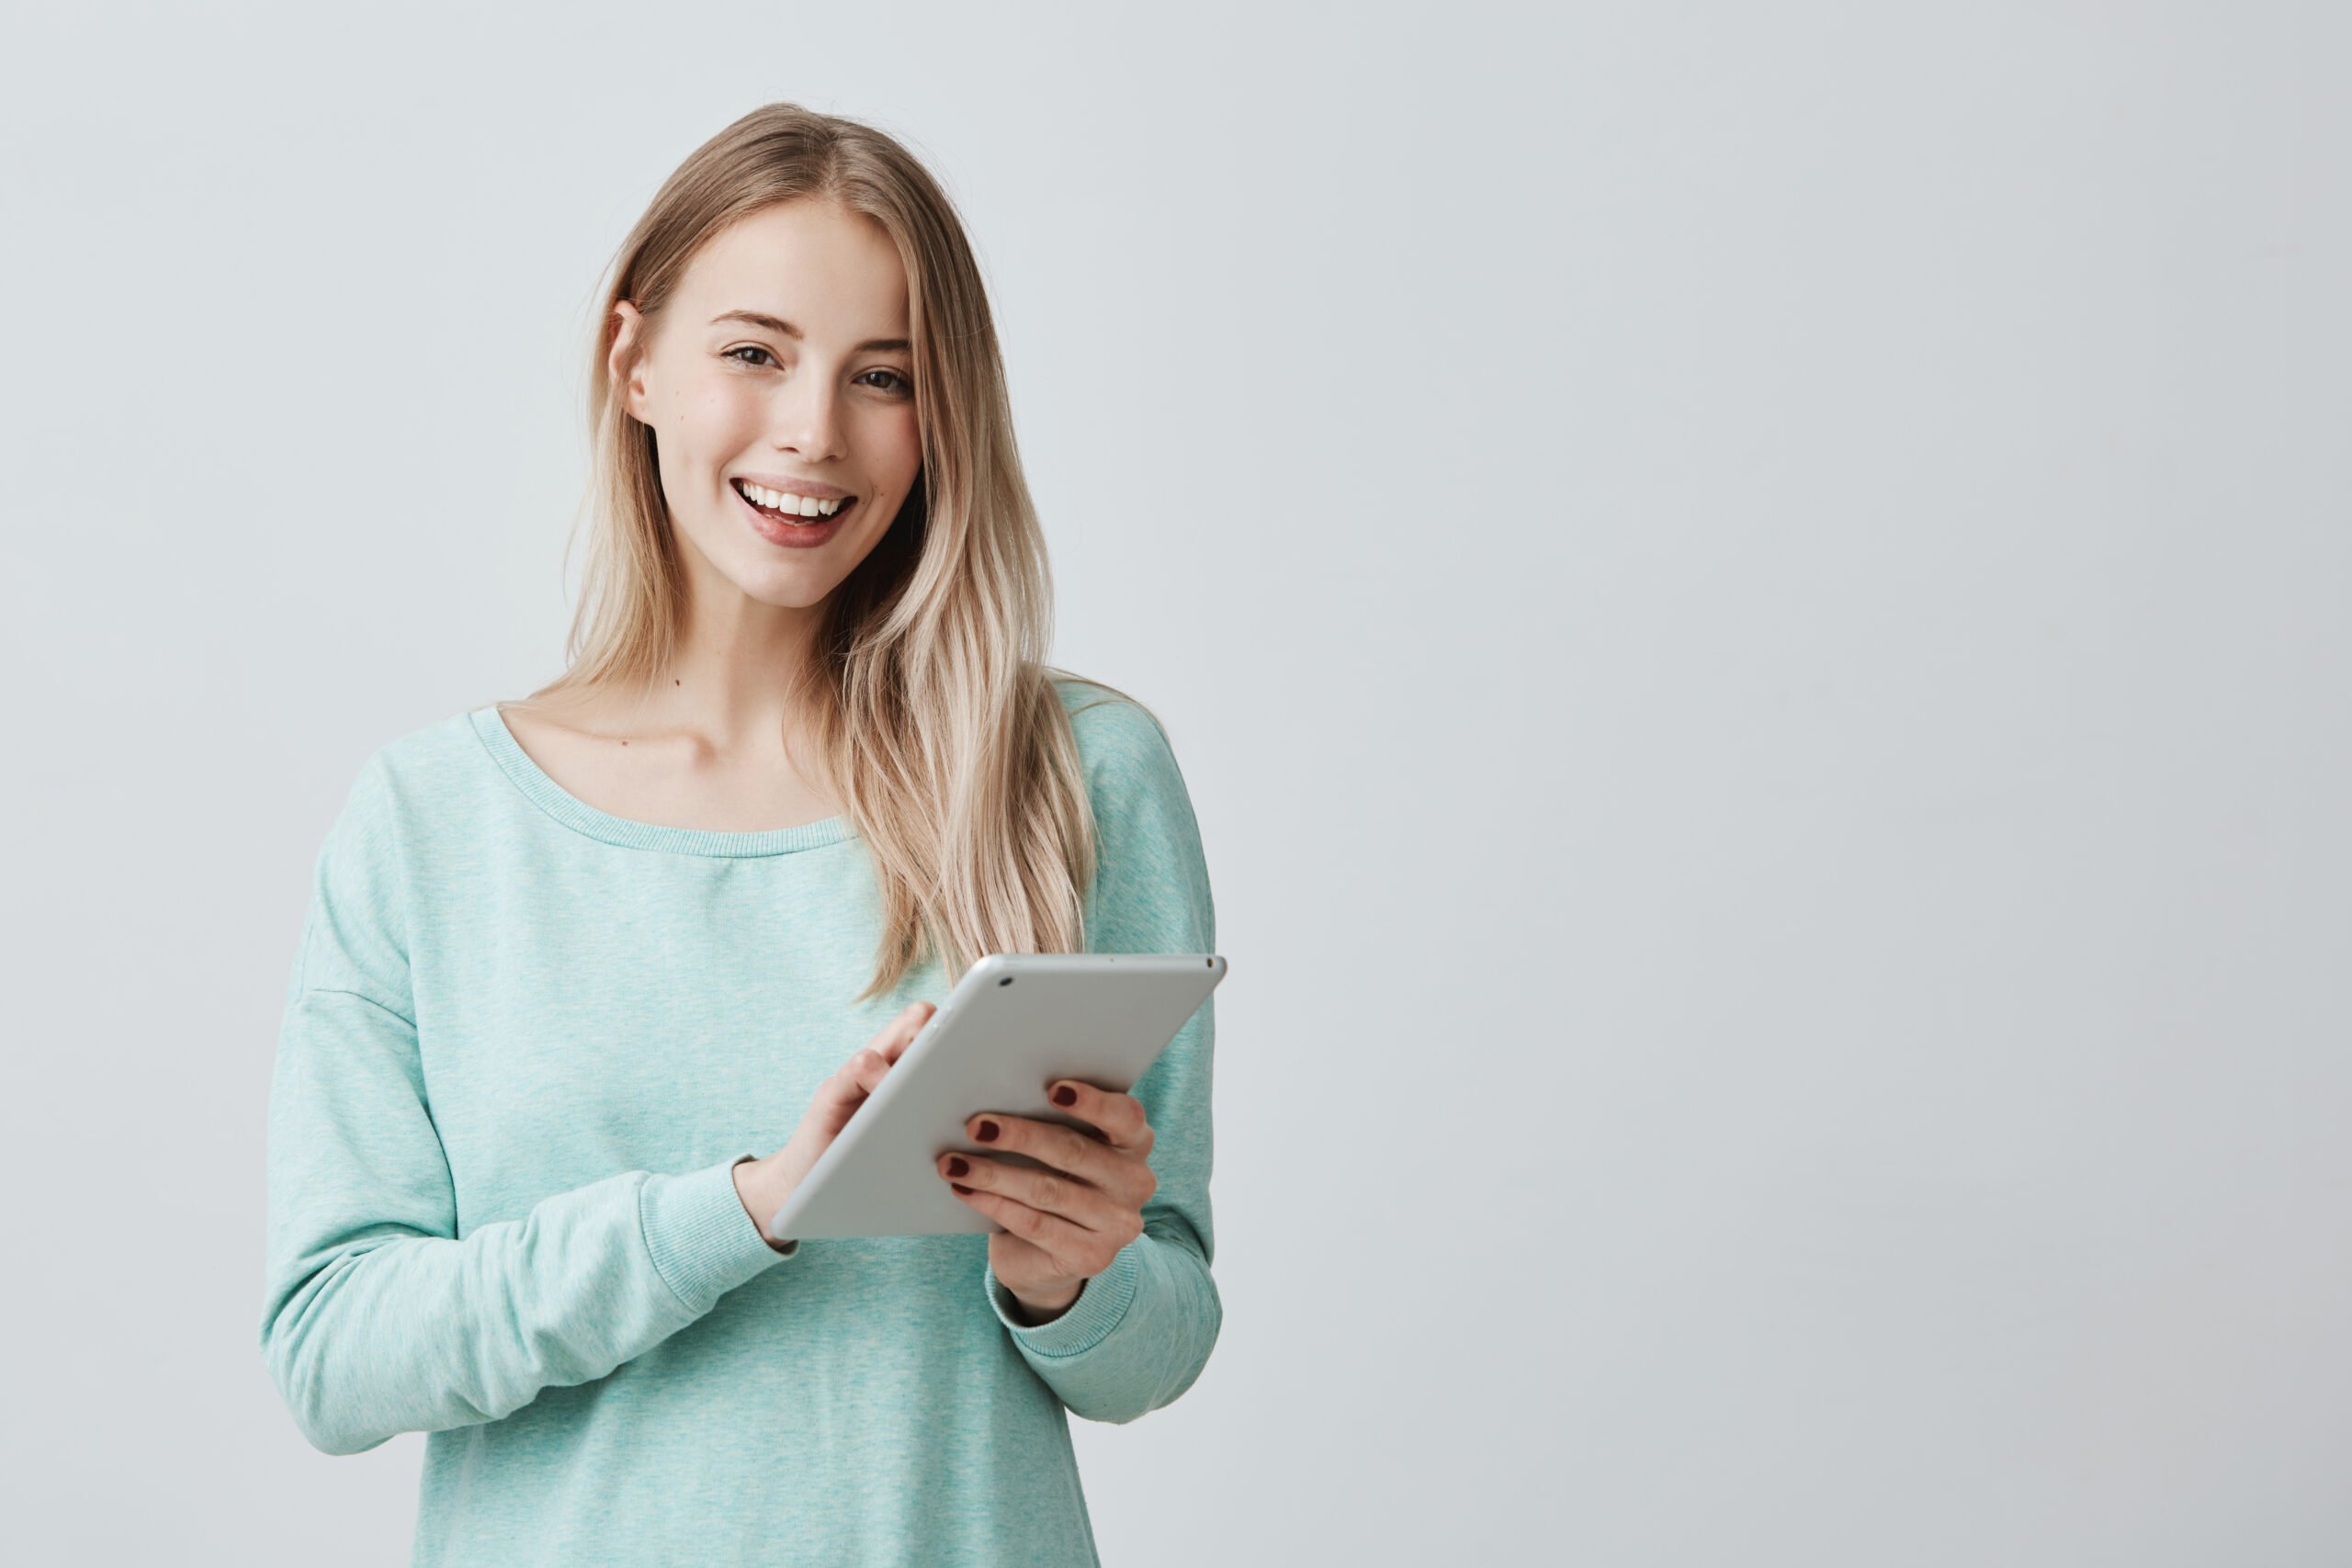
(764, 1184)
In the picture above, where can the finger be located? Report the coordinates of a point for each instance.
(1118, 1117)
(1051, 1144)
(1073, 1248)
(856, 1081)
(864, 1072)
(1047, 1191)
(904, 1029)
(838, 1097)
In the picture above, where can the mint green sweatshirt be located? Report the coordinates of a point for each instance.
(525, 1043)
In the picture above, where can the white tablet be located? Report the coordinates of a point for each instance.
(1014, 1023)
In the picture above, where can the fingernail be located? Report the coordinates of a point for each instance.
(955, 1166)
(1064, 1096)
(987, 1133)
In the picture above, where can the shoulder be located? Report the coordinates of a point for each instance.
(1151, 891)
(1121, 743)
(357, 936)
(410, 787)
(405, 812)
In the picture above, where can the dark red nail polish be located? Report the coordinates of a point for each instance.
(959, 1189)
(1064, 1096)
(955, 1166)
(987, 1133)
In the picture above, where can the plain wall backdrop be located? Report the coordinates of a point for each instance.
(1753, 600)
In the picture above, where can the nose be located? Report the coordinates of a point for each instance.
(808, 422)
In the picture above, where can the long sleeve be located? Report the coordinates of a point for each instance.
(379, 1319)
(1139, 1333)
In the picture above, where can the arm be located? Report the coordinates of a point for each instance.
(1138, 1334)
(378, 1319)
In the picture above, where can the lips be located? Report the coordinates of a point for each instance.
(798, 535)
(773, 515)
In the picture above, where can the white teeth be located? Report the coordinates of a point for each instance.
(799, 505)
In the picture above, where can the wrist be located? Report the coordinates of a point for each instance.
(1037, 1308)
(757, 1190)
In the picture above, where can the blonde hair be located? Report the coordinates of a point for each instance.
(931, 713)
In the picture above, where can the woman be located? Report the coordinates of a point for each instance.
(570, 964)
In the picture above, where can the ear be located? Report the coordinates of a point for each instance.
(622, 364)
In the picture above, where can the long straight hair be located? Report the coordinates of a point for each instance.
(931, 713)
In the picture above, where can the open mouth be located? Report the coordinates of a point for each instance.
(794, 519)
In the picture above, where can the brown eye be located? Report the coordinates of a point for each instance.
(748, 348)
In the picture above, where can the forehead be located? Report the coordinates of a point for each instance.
(833, 272)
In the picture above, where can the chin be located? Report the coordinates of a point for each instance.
(787, 588)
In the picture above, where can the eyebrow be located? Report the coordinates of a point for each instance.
(785, 329)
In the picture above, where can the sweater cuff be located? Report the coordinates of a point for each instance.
(703, 1240)
(1101, 1303)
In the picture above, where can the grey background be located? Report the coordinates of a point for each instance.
(1753, 600)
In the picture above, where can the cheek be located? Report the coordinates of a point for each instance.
(723, 412)
(895, 442)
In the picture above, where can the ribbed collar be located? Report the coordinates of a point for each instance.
(578, 815)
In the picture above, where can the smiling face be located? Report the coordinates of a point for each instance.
(782, 362)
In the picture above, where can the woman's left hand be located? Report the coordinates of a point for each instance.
(1063, 1224)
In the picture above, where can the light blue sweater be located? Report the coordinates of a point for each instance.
(525, 1043)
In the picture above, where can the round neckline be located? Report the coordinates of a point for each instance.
(578, 815)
